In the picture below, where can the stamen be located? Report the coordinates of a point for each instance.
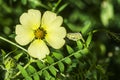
(40, 33)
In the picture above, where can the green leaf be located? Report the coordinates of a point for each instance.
(46, 75)
(40, 64)
(57, 55)
(28, 78)
(18, 56)
(79, 44)
(33, 71)
(107, 12)
(53, 78)
(70, 68)
(52, 70)
(24, 72)
(84, 51)
(24, 2)
(3, 52)
(100, 68)
(77, 55)
(40, 73)
(69, 49)
(68, 60)
(102, 49)
(61, 66)
(86, 27)
(50, 60)
(62, 7)
(89, 39)
(36, 76)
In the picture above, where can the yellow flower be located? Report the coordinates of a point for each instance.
(38, 31)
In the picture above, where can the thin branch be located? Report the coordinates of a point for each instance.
(4, 39)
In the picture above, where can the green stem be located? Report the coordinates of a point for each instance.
(56, 5)
(4, 39)
(60, 60)
(30, 61)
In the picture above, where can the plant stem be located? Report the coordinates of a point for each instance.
(60, 60)
(4, 39)
(56, 5)
(30, 61)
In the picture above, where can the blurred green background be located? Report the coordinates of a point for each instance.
(79, 16)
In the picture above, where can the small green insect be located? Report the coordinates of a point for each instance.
(74, 36)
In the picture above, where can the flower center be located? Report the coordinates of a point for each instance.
(40, 33)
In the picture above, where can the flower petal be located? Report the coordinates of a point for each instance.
(24, 35)
(56, 22)
(38, 49)
(31, 19)
(59, 32)
(55, 41)
(48, 17)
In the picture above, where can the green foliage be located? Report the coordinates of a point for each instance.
(107, 12)
(68, 60)
(89, 39)
(69, 49)
(96, 56)
(24, 72)
(57, 55)
(50, 60)
(40, 64)
(32, 71)
(52, 70)
(61, 66)
(79, 44)
(86, 28)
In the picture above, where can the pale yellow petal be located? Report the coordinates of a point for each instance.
(55, 41)
(38, 49)
(48, 17)
(23, 35)
(59, 32)
(31, 19)
(56, 22)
